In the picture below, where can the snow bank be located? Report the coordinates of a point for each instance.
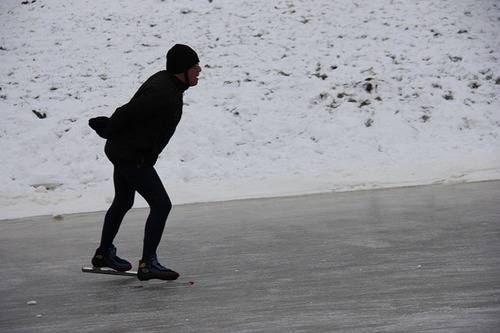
(295, 96)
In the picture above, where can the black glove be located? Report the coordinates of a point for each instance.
(99, 125)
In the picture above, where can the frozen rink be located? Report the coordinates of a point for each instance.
(417, 259)
(295, 97)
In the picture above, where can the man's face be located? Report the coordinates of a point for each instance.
(193, 73)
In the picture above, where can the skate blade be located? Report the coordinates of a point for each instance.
(108, 271)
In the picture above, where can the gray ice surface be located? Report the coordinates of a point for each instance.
(419, 259)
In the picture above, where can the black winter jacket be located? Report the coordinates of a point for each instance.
(138, 131)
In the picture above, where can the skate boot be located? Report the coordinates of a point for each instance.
(150, 268)
(108, 258)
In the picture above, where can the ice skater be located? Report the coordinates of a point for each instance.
(136, 134)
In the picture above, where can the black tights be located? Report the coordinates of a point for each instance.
(144, 180)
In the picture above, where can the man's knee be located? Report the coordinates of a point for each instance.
(162, 204)
(128, 204)
(123, 204)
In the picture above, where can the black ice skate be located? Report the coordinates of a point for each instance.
(150, 268)
(108, 258)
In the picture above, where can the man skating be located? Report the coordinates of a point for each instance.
(136, 134)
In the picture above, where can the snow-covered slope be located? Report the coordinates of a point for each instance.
(295, 96)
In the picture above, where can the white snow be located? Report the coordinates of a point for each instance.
(282, 106)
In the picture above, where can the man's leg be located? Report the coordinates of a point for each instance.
(159, 202)
(152, 190)
(147, 183)
(105, 255)
(122, 203)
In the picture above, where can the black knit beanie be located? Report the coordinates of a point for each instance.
(180, 58)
